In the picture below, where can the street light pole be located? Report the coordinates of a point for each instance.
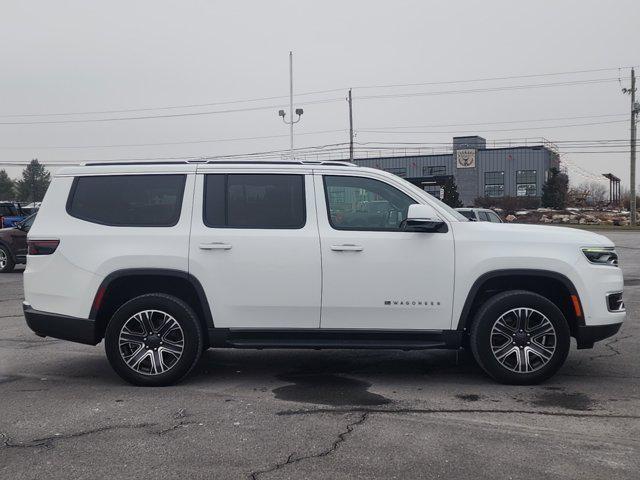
(298, 111)
(291, 100)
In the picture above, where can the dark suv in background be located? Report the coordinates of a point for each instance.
(13, 244)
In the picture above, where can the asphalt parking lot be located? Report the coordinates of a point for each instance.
(318, 414)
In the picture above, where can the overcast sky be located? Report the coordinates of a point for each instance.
(79, 56)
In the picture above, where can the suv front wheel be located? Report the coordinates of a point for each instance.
(154, 340)
(520, 337)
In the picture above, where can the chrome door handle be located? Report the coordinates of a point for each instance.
(347, 247)
(214, 246)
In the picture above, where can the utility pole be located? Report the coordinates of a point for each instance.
(349, 99)
(299, 111)
(635, 108)
(632, 176)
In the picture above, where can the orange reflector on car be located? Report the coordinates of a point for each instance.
(576, 305)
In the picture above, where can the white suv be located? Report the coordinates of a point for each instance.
(165, 260)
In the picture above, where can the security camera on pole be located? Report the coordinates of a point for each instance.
(299, 111)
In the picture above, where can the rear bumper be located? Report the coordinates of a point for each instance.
(44, 324)
(586, 336)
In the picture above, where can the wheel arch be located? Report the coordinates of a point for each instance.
(123, 285)
(556, 287)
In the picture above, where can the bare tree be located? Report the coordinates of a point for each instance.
(595, 193)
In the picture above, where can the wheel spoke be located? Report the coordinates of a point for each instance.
(504, 329)
(128, 337)
(543, 353)
(173, 347)
(523, 361)
(168, 325)
(134, 360)
(145, 319)
(502, 352)
(158, 365)
(541, 329)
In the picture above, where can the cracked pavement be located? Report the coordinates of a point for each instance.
(318, 414)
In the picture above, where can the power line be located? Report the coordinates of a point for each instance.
(316, 92)
(169, 115)
(485, 79)
(490, 89)
(504, 122)
(454, 132)
(185, 142)
(318, 132)
(329, 100)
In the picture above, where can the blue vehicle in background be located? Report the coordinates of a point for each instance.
(10, 214)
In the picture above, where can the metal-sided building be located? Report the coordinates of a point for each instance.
(516, 171)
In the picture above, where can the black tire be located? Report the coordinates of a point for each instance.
(509, 370)
(7, 265)
(144, 372)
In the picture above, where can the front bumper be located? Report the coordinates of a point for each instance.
(586, 336)
(44, 324)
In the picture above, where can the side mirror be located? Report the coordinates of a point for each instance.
(423, 218)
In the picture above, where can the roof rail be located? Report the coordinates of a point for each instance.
(223, 162)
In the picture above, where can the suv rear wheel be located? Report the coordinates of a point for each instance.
(520, 337)
(154, 340)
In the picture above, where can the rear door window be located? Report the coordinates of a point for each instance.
(127, 200)
(254, 201)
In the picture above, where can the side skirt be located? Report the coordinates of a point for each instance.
(331, 339)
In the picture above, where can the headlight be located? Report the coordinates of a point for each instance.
(601, 255)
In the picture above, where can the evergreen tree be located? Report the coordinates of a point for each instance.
(34, 182)
(7, 186)
(451, 196)
(554, 191)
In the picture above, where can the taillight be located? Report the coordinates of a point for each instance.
(42, 247)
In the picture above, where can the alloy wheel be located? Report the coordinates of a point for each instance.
(3, 259)
(523, 340)
(151, 342)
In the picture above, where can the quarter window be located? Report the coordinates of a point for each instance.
(359, 203)
(254, 201)
(494, 184)
(526, 183)
(127, 200)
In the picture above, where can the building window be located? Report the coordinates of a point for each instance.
(526, 183)
(434, 190)
(434, 170)
(494, 184)
(399, 171)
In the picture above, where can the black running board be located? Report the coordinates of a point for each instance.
(329, 339)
